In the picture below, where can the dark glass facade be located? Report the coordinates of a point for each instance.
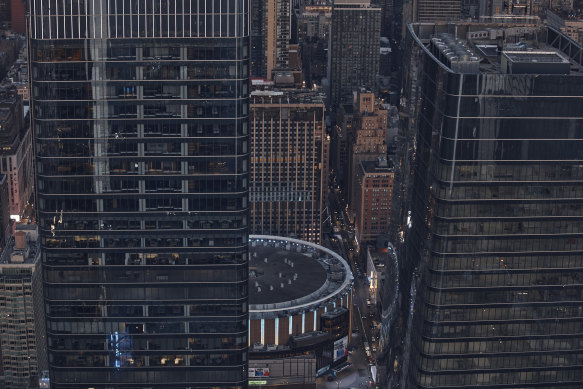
(258, 39)
(354, 55)
(497, 229)
(141, 142)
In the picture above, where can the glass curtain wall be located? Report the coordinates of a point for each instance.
(496, 230)
(141, 139)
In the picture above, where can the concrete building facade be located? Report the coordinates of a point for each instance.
(4, 211)
(270, 36)
(18, 16)
(434, 10)
(289, 163)
(354, 49)
(22, 340)
(15, 151)
(366, 139)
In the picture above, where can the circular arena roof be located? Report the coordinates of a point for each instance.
(287, 274)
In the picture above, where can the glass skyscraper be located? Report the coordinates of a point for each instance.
(496, 229)
(140, 120)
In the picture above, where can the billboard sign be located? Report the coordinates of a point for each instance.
(340, 348)
(258, 372)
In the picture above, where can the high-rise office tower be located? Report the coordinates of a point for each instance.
(434, 10)
(339, 154)
(354, 44)
(140, 119)
(4, 10)
(22, 341)
(497, 8)
(541, 5)
(430, 11)
(313, 23)
(270, 36)
(366, 140)
(496, 213)
(16, 160)
(5, 228)
(17, 16)
(387, 17)
(289, 164)
(257, 55)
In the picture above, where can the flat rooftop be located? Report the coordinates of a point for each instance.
(307, 275)
(535, 56)
(384, 166)
(288, 96)
(506, 48)
(13, 257)
(287, 274)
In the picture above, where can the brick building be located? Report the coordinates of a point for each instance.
(373, 202)
(366, 141)
(289, 163)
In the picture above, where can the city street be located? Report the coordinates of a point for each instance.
(358, 375)
(365, 317)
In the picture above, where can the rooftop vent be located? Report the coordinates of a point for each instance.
(454, 54)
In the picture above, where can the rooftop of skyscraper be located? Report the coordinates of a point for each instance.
(352, 3)
(289, 96)
(499, 48)
(381, 165)
(313, 10)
